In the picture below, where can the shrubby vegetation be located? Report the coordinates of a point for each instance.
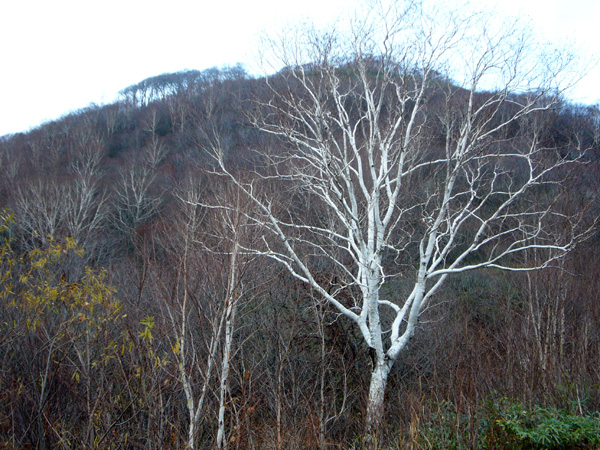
(134, 315)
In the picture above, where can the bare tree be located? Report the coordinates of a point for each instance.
(234, 233)
(39, 207)
(181, 308)
(202, 296)
(135, 202)
(156, 151)
(420, 144)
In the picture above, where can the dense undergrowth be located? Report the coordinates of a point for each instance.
(504, 424)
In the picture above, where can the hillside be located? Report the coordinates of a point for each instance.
(123, 343)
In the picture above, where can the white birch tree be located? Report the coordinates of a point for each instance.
(419, 136)
(202, 296)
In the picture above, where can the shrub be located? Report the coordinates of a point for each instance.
(510, 426)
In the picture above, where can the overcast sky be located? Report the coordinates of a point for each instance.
(62, 55)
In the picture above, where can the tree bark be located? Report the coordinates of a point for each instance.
(375, 403)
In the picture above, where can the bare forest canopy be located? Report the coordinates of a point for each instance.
(144, 304)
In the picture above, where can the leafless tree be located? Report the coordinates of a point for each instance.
(156, 151)
(202, 297)
(135, 202)
(356, 111)
(74, 209)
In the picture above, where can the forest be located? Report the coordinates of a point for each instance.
(364, 248)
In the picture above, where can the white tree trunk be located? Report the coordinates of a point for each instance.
(232, 297)
(375, 403)
(225, 373)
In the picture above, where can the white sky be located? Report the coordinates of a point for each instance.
(61, 55)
